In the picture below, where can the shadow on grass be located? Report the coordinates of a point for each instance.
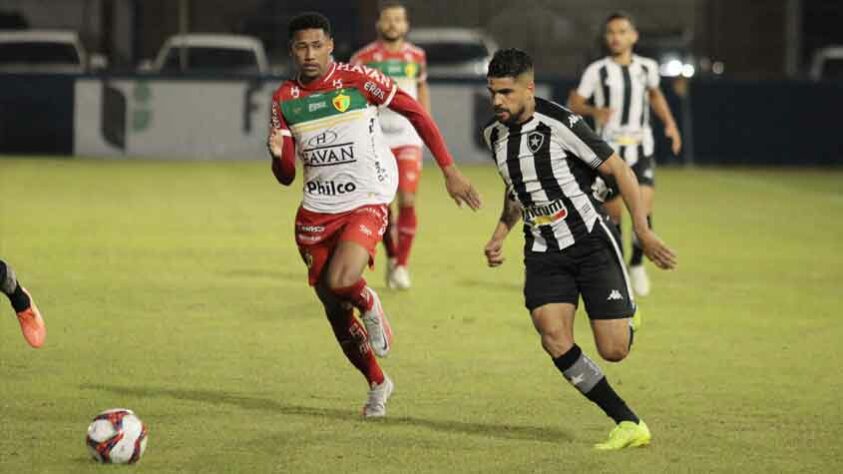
(513, 286)
(527, 433)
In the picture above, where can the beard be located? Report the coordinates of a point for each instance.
(391, 36)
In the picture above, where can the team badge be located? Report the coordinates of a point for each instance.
(341, 102)
(411, 69)
(535, 141)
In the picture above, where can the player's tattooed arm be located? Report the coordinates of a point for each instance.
(510, 215)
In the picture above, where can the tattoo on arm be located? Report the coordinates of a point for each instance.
(511, 213)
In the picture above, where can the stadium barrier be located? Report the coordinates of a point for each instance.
(724, 122)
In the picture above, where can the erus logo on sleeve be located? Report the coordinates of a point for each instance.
(535, 140)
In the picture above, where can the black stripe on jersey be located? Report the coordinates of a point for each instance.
(622, 152)
(627, 95)
(645, 109)
(551, 187)
(513, 152)
(640, 152)
(493, 138)
(604, 78)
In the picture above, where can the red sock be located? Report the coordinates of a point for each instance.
(352, 338)
(390, 237)
(356, 294)
(407, 225)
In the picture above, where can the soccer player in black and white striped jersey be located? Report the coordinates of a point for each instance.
(624, 87)
(549, 159)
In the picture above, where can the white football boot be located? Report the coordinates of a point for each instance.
(377, 327)
(375, 406)
(400, 278)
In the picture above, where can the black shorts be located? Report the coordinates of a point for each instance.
(593, 268)
(645, 171)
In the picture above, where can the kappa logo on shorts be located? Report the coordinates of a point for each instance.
(366, 230)
(615, 295)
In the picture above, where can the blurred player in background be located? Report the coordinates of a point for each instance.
(549, 159)
(328, 117)
(394, 56)
(624, 87)
(31, 322)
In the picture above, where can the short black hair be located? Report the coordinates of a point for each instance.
(309, 21)
(387, 4)
(511, 62)
(619, 15)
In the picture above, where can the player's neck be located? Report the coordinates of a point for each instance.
(624, 59)
(527, 115)
(393, 46)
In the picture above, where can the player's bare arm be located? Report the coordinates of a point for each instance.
(662, 111)
(656, 250)
(579, 105)
(510, 215)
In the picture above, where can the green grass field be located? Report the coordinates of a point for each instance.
(175, 289)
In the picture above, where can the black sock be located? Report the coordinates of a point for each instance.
(587, 377)
(11, 288)
(637, 251)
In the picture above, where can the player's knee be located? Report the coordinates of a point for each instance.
(555, 341)
(406, 199)
(341, 277)
(613, 352)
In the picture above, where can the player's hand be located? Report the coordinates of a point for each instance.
(657, 251)
(494, 253)
(461, 189)
(672, 133)
(602, 115)
(276, 143)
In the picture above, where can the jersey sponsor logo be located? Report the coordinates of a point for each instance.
(535, 141)
(341, 102)
(316, 106)
(365, 70)
(329, 188)
(545, 215)
(572, 119)
(376, 91)
(411, 70)
(329, 155)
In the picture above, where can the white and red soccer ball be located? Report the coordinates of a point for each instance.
(116, 436)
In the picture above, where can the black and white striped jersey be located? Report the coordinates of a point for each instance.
(625, 90)
(549, 164)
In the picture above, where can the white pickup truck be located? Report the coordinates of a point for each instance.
(46, 51)
(210, 53)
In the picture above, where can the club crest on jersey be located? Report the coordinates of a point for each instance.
(411, 69)
(341, 102)
(535, 141)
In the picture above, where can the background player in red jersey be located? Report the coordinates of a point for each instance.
(328, 117)
(405, 63)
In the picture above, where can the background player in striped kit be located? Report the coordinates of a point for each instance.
(549, 159)
(31, 322)
(625, 86)
(393, 55)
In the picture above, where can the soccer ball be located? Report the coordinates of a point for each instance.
(116, 436)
